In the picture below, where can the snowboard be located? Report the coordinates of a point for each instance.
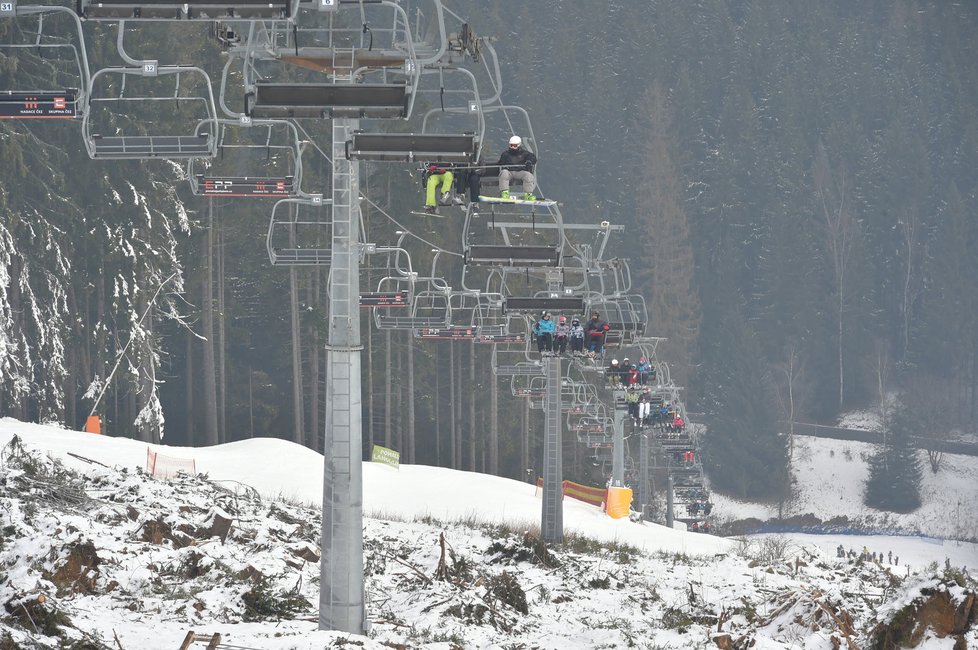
(498, 199)
(429, 214)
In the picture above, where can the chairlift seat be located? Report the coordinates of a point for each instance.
(201, 145)
(532, 304)
(623, 333)
(411, 147)
(300, 256)
(518, 369)
(498, 255)
(326, 100)
(191, 10)
(386, 322)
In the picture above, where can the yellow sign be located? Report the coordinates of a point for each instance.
(386, 456)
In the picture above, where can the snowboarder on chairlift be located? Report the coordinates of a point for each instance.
(517, 163)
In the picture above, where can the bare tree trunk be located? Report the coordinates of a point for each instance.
(525, 441)
(910, 236)
(315, 373)
(841, 229)
(101, 339)
(459, 403)
(493, 424)
(791, 373)
(210, 433)
(437, 408)
(473, 436)
(148, 431)
(410, 399)
(190, 405)
(298, 430)
(371, 398)
(882, 370)
(453, 432)
(74, 361)
(388, 387)
(222, 383)
(399, 373)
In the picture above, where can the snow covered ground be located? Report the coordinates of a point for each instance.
(829, 479)
(642, 586)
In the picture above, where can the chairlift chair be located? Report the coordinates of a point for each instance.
(259, 160)
(48, 53)
(126, 132)
(514, 359)
(300, 232)
(430, 309)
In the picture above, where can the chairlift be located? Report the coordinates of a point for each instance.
(509, 359)
(430, 309)
(627, 317)
(396, 286)
(126, 103)
(259, 160)
(300, 232)
(44, 52)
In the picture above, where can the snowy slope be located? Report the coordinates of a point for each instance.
(496, 588)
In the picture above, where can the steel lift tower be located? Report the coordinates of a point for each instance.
(341, 596)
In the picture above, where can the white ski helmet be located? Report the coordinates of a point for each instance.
(515, 141)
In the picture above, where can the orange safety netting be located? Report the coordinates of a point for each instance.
(591, 495)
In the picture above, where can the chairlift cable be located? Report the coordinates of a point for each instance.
(409, 231)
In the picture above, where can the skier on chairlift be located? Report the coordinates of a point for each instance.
(517, 163)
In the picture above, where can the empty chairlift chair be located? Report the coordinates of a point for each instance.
(126, 107)
(300, 232)
(47, 74)
(268, 149)
(430, 310)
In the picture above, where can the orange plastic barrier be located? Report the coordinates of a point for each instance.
(93, 424)
(619, 502)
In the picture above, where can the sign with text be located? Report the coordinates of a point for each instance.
(385, 299)
(386, 456)
(253, 187)
(450, 333)
(26, 105)
(500, 338)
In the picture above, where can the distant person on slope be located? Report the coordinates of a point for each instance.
(517, 163)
